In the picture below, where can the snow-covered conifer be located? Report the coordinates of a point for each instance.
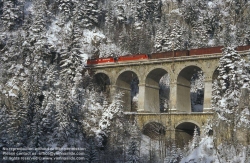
(176, 40)
(195, 141)
(199, 36)
(12, 14)
(19, 124)
(91, 152)
(4, 116)
(65, 7)
(111, 113)
(190, 12)
(90, 13)
(232, 76)
(133, 152)
(36, 135)
(158, 41)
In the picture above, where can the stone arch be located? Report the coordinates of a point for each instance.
(123, 83)
(152, 89)
(184, 131)
(104, 72)
(128, 69)
(188, 121)
(183, 87)
(109, 74)
(153, 68)
(154, 130)
(103, 80)
(188, 64)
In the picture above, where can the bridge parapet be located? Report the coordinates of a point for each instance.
(166, 60)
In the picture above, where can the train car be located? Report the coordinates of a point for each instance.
(243, 48)
(180, 53)
(167, 54)
(132, 57)
(100, 61)
(202, 51)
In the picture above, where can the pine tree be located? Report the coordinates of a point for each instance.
(176, 41)
(133, 152)
(4, 116)
(109, 21)
(91, 152)
(172, 155)
(19, 124)
(158, 41)
(232, 77)
(195, 141)
(65, 6)
(12, 14)
(109, 117)
(199, 36)
(48, 121)
(90, 13)
(190, 12)
(36, 137)
(63, 106)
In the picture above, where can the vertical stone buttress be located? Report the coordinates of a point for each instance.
(141, 95)
(148, 99)
(207, 91)
(173, 92)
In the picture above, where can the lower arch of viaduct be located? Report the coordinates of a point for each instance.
(177, 126)
(199, 119)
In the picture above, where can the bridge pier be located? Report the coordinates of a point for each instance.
(207, 96)
(148, 99)
(170, 134)
(183, 97)
(126, 98)
(141, 101)
(112, 91)
(173, 97)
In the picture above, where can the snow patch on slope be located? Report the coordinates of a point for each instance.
(203, 153)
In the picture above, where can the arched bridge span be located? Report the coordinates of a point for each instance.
(149, 72)
(177, 126)
(180, 121)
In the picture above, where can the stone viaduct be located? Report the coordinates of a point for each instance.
(118, 76)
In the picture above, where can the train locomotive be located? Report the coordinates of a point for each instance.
(168, 54)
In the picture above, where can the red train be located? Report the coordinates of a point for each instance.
(117, 59)
(132, 57)
(100, 60)
(168, 54)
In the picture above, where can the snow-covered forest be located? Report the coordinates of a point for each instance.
(49, 99)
